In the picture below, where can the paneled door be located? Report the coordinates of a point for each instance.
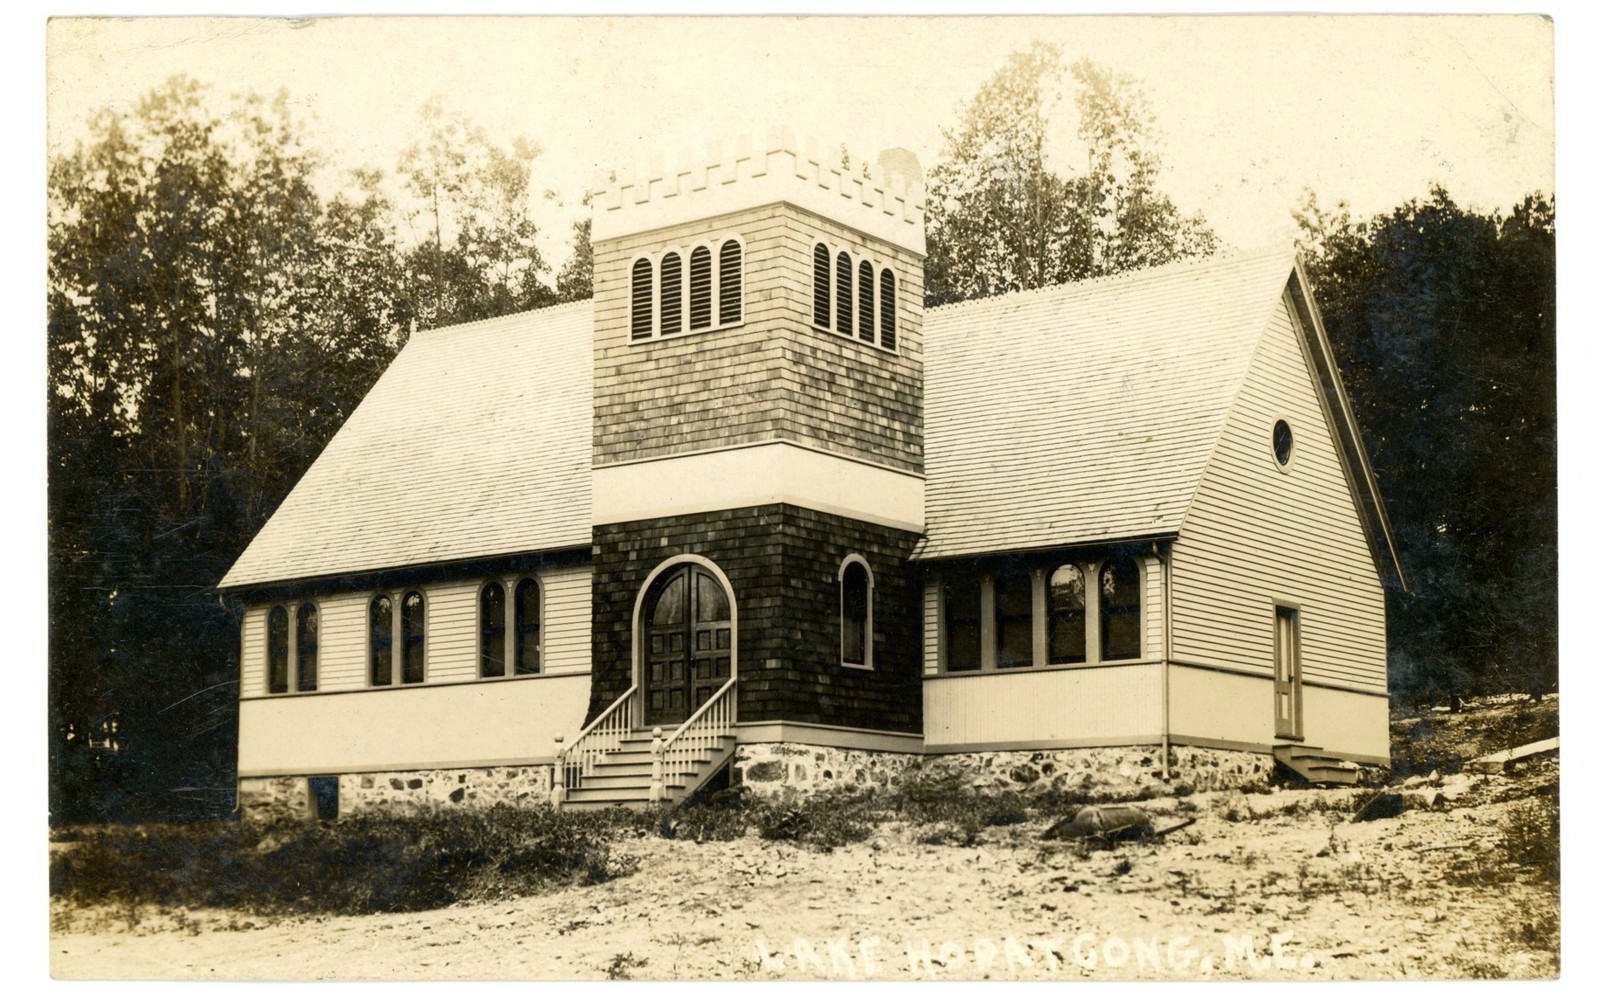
(1286, 674)
(688, 643)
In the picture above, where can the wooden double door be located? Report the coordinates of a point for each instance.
(687, 633)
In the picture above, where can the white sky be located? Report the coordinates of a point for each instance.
(1251, 109)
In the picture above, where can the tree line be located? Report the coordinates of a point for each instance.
(214, 316)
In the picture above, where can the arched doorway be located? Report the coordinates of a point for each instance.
(686, 635)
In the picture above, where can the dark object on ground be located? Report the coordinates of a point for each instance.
(1110, 824)
(1173, 828)
(1385, 805)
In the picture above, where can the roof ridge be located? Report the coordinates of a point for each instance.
(505, 317)
(1126, 275)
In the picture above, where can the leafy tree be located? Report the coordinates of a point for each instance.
(576, 278)
(211, 322)
(477, 254)
(1001, 217)
(1444, 323)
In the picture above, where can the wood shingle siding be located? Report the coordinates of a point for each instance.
(474, 443)
(1256, 534)
(1085, 412)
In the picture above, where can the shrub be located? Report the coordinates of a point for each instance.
(824, 822)
(1531, 836)
(356, 865)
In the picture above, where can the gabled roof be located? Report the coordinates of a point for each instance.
(475, 443)
(1086, 413)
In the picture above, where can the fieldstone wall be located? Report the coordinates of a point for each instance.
(289, 797)
(790, 771)
(1119, 773)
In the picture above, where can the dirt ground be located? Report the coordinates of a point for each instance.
(1269, 886)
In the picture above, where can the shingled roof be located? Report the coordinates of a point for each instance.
(1085, 412)
(474, 443)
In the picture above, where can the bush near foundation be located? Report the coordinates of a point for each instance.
(357, 865)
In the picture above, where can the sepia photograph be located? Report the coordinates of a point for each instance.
(802, 497)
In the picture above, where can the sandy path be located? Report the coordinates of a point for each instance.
(1378, 903)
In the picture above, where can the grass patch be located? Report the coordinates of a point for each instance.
(357, 865)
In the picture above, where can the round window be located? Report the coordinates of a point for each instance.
(1282, 442)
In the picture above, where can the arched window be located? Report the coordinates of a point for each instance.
(642, 292)
(963, 622)
(528, 626)
(821, 286)
(492, 630)
(865, 324)
(886, 327)
(1013, 619)
(1119, 610)
(844, 300)
(305, 647)
(671, 293)
(278, 650)
(855, 613)
(413, 631)
(1069, 632)
(380, 640)
(730, 283)
(700, 288)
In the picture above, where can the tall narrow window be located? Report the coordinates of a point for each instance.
(1013, 607)
(855, 615)
(413, 630)
(278, 650)
(844, 299)
(700, 288)
(492, 630)
(730, 280)
(527, 626)
(963, 623)
(1119, 610)
(305, 647)
(866, 325)
(380, 640)
(1069, 635)
(641, 299)
(821, 286)
(886, 327)
(671, 293)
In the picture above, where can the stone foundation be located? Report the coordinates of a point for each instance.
(1119, 773)
(399, 791)
(790, 771)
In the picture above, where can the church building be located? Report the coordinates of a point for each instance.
(754, 514)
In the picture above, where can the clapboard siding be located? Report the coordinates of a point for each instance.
(451, 632)
(775, 376)
(1065, 705)
(930, 626)
(1255, 535)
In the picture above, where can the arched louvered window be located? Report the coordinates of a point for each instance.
(1068, 615)
(886, 301)
(844, 300)
(305, 647)
(642, 292)
(700, 288)
(821, 286)
(1119, 610)
(866, 325)
(413, 631)
(528, 626)
(730, 279)
(671, 293)
(492, 630)
(278, 650)
(380, 640)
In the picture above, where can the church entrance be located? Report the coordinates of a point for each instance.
(687, 635)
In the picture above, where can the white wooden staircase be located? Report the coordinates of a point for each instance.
(1311, 763)
(613, 763)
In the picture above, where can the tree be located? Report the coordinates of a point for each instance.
(1443, 320)
(211, 322)
(477, 254)
(1000, 217)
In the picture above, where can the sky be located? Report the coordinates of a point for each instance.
(1250, 110)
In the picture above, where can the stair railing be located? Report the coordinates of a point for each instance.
(597, 739)
(697, 738)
